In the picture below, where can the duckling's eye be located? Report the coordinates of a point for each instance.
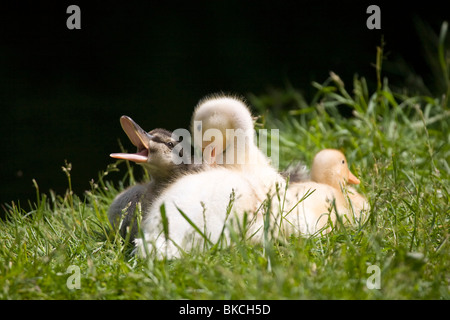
(170, 144)
(343, 161)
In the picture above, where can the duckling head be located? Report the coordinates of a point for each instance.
(330, 167)
(155, 149)
(217, 117)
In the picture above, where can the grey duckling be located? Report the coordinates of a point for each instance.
(156, 152)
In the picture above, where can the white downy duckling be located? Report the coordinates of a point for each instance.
(225, 127)
(155, 153)
(326, 192)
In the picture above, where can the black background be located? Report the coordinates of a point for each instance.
(62, 91)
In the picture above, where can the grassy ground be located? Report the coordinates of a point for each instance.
(399, 146)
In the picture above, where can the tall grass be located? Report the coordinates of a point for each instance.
(398, 145)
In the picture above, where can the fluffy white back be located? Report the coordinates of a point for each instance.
(204, 198)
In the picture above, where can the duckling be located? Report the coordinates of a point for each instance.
(233, 146)
(239, 181)
(155, 152)
(327, 190)
(330, 167)
(231, 119)
(227, 122)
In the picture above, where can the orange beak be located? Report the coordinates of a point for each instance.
(138, 137)
(352, 179)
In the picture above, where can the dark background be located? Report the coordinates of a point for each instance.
(62, 91)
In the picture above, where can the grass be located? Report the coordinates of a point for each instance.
(398, 145)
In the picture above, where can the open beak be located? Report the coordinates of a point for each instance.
(138, 137)
(352, 179)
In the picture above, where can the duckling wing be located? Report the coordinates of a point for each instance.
(125, 203)
(359, 203)
(310, 203)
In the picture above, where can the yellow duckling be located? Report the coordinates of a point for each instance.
(326, 192)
